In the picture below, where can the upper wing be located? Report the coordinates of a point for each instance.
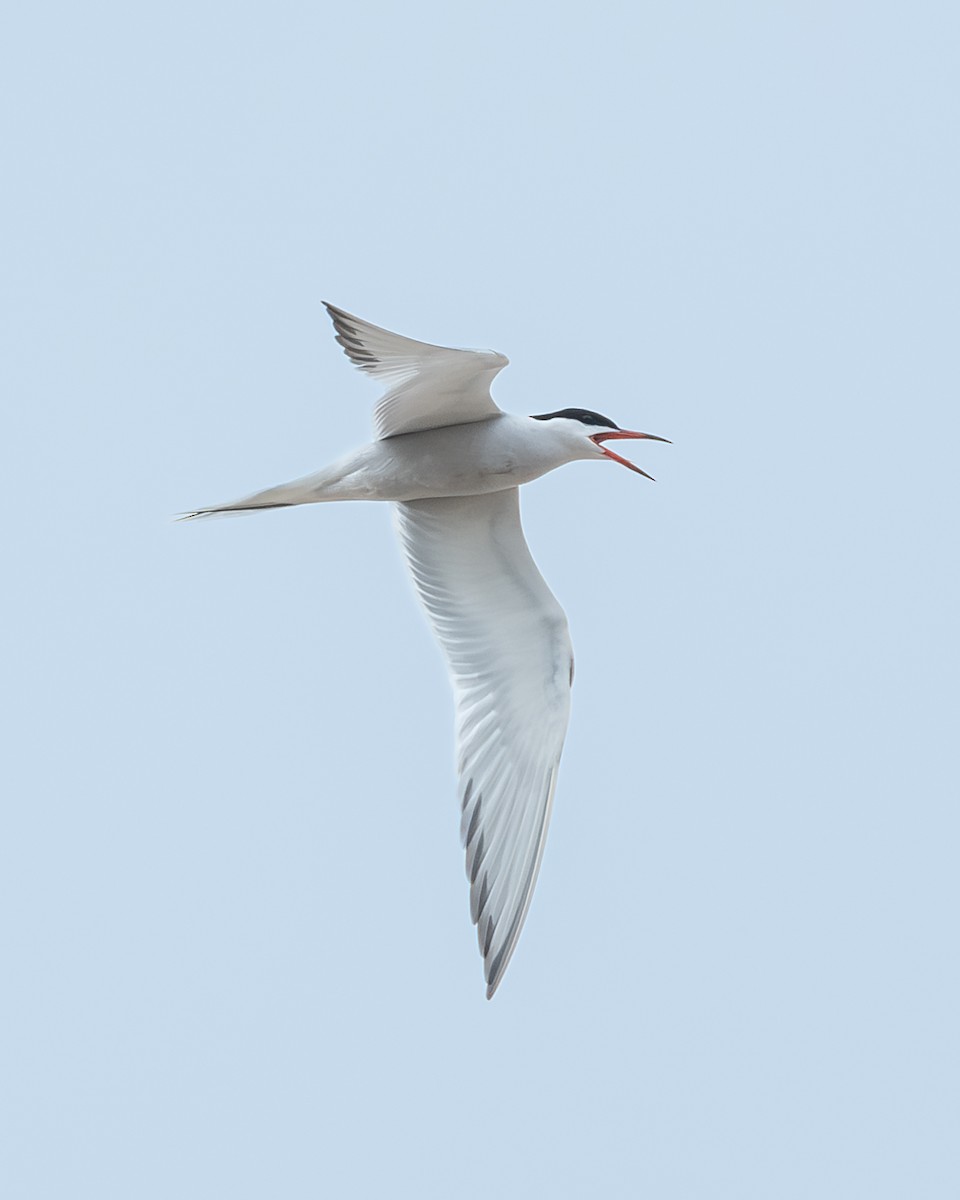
(429, 385)
(506, 640)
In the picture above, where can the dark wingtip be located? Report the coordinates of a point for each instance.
(337, 315)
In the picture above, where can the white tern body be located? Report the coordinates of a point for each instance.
(452, 462)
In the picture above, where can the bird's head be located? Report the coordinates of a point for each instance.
(586, 431)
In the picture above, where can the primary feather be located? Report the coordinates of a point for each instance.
(429, 386)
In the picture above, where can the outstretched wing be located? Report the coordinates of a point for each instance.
(429, 386)
(506, 641)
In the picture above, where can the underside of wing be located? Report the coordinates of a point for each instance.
(506, 641)
(429, 386)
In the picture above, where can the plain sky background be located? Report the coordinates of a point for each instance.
(236, 951)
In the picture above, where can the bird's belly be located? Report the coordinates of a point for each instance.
(456, 461)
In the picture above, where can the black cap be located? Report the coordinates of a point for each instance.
(584, 415)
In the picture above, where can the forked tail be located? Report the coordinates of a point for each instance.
(285, 495)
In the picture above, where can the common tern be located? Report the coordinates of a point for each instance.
(452, 463)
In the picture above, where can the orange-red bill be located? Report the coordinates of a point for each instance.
(615, 434)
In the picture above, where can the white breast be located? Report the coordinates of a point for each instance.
(459, 460)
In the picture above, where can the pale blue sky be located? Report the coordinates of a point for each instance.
(237, 958)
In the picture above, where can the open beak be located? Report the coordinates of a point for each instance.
(614, 434)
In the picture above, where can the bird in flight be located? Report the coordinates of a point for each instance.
(452, 463)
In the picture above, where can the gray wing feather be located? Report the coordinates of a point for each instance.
(506, 641)
(428, 386)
